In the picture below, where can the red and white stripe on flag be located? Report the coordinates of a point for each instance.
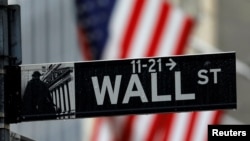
(140, 28)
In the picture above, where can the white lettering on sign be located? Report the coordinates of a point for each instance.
(106, 85)
(204, 79)
(153, 65)
(135, 89)
(178, 94)
(155, 96)
(134, 80)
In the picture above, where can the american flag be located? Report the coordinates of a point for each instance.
(111, 29)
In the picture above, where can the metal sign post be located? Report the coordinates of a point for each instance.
(4, 127)
(10, 57)
(122, 87)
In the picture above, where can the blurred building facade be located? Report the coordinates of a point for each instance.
(49, 35)
(233, 35)
(224, 26)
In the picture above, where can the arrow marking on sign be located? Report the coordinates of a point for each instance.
(172, 64)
